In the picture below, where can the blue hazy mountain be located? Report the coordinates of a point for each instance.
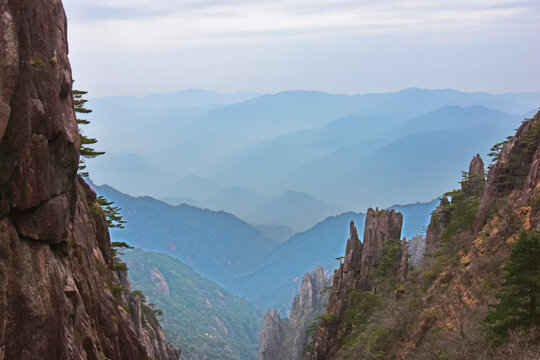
(271, 159)
(296, 210)
(276, 281)
(216, 244)
(278, 233)
(187, 99)
(186, 141)
(309, 142)
(411, 167)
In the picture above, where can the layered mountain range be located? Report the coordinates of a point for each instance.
(341, 152)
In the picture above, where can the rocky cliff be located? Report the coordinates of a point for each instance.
(56, 265)
(360, 272)
(439, 310)
(416, 249)
(286, 339)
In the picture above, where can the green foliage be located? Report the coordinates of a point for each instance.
(140, 294)
(87, 152)
(363, 305)
(519, 304)
(36, 61)
(496, 150)
(442, 355)
(121, 244)
(115, 245)
(193, 308)
(120, 267)
(117, 290)
(112, 213)
(514, 170)
(387, 265)
(460, 210)
(377, 342)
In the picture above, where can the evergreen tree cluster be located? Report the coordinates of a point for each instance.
(519, 304)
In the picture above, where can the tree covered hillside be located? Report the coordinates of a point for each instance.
(205, 320)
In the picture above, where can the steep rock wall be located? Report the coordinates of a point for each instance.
(56, 273)
(356, 275)
(281, 339)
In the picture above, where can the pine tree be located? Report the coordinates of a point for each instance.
(112, 213)
(87, 152)
(519, 304)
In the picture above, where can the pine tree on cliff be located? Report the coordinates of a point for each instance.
(112, 213)
(86, 151)
(520, 299)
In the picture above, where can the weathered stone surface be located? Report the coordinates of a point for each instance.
(46, 222)
(416, 250)
(404, 263)
(286, 340)
(56, 278)
(436, 228)
(381, 227)
(476, 166)
(272, 336)
(159, 282)
(353, 276)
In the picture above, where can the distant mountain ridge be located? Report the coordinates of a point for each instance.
(345, 151)
(216, 244)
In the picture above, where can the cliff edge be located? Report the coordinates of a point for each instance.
(56, 271)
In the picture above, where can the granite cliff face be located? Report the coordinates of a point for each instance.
(439, 310)
(357, 274)
(282, 339)
(56, 276)
(416, 250)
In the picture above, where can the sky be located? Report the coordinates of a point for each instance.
(139, 47)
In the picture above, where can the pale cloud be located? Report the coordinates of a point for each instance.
(275, 45)
(197, 22)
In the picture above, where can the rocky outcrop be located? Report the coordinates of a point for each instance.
(416, 249)
(477, 165)
(272, 336)
(286, 339)
(142, 316)
(404, 261)
(358, 274)
(56, 277)
(382, 226)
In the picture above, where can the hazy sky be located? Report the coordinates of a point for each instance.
(137, 47)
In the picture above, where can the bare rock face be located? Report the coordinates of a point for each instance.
(416, 249)
(436, 227)
(353, 276)
(142, 316)
(56, 278)
(159, 282)
(272, 336)
(381, 227)
(476, 166)
(404, 262)
(286, 340)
